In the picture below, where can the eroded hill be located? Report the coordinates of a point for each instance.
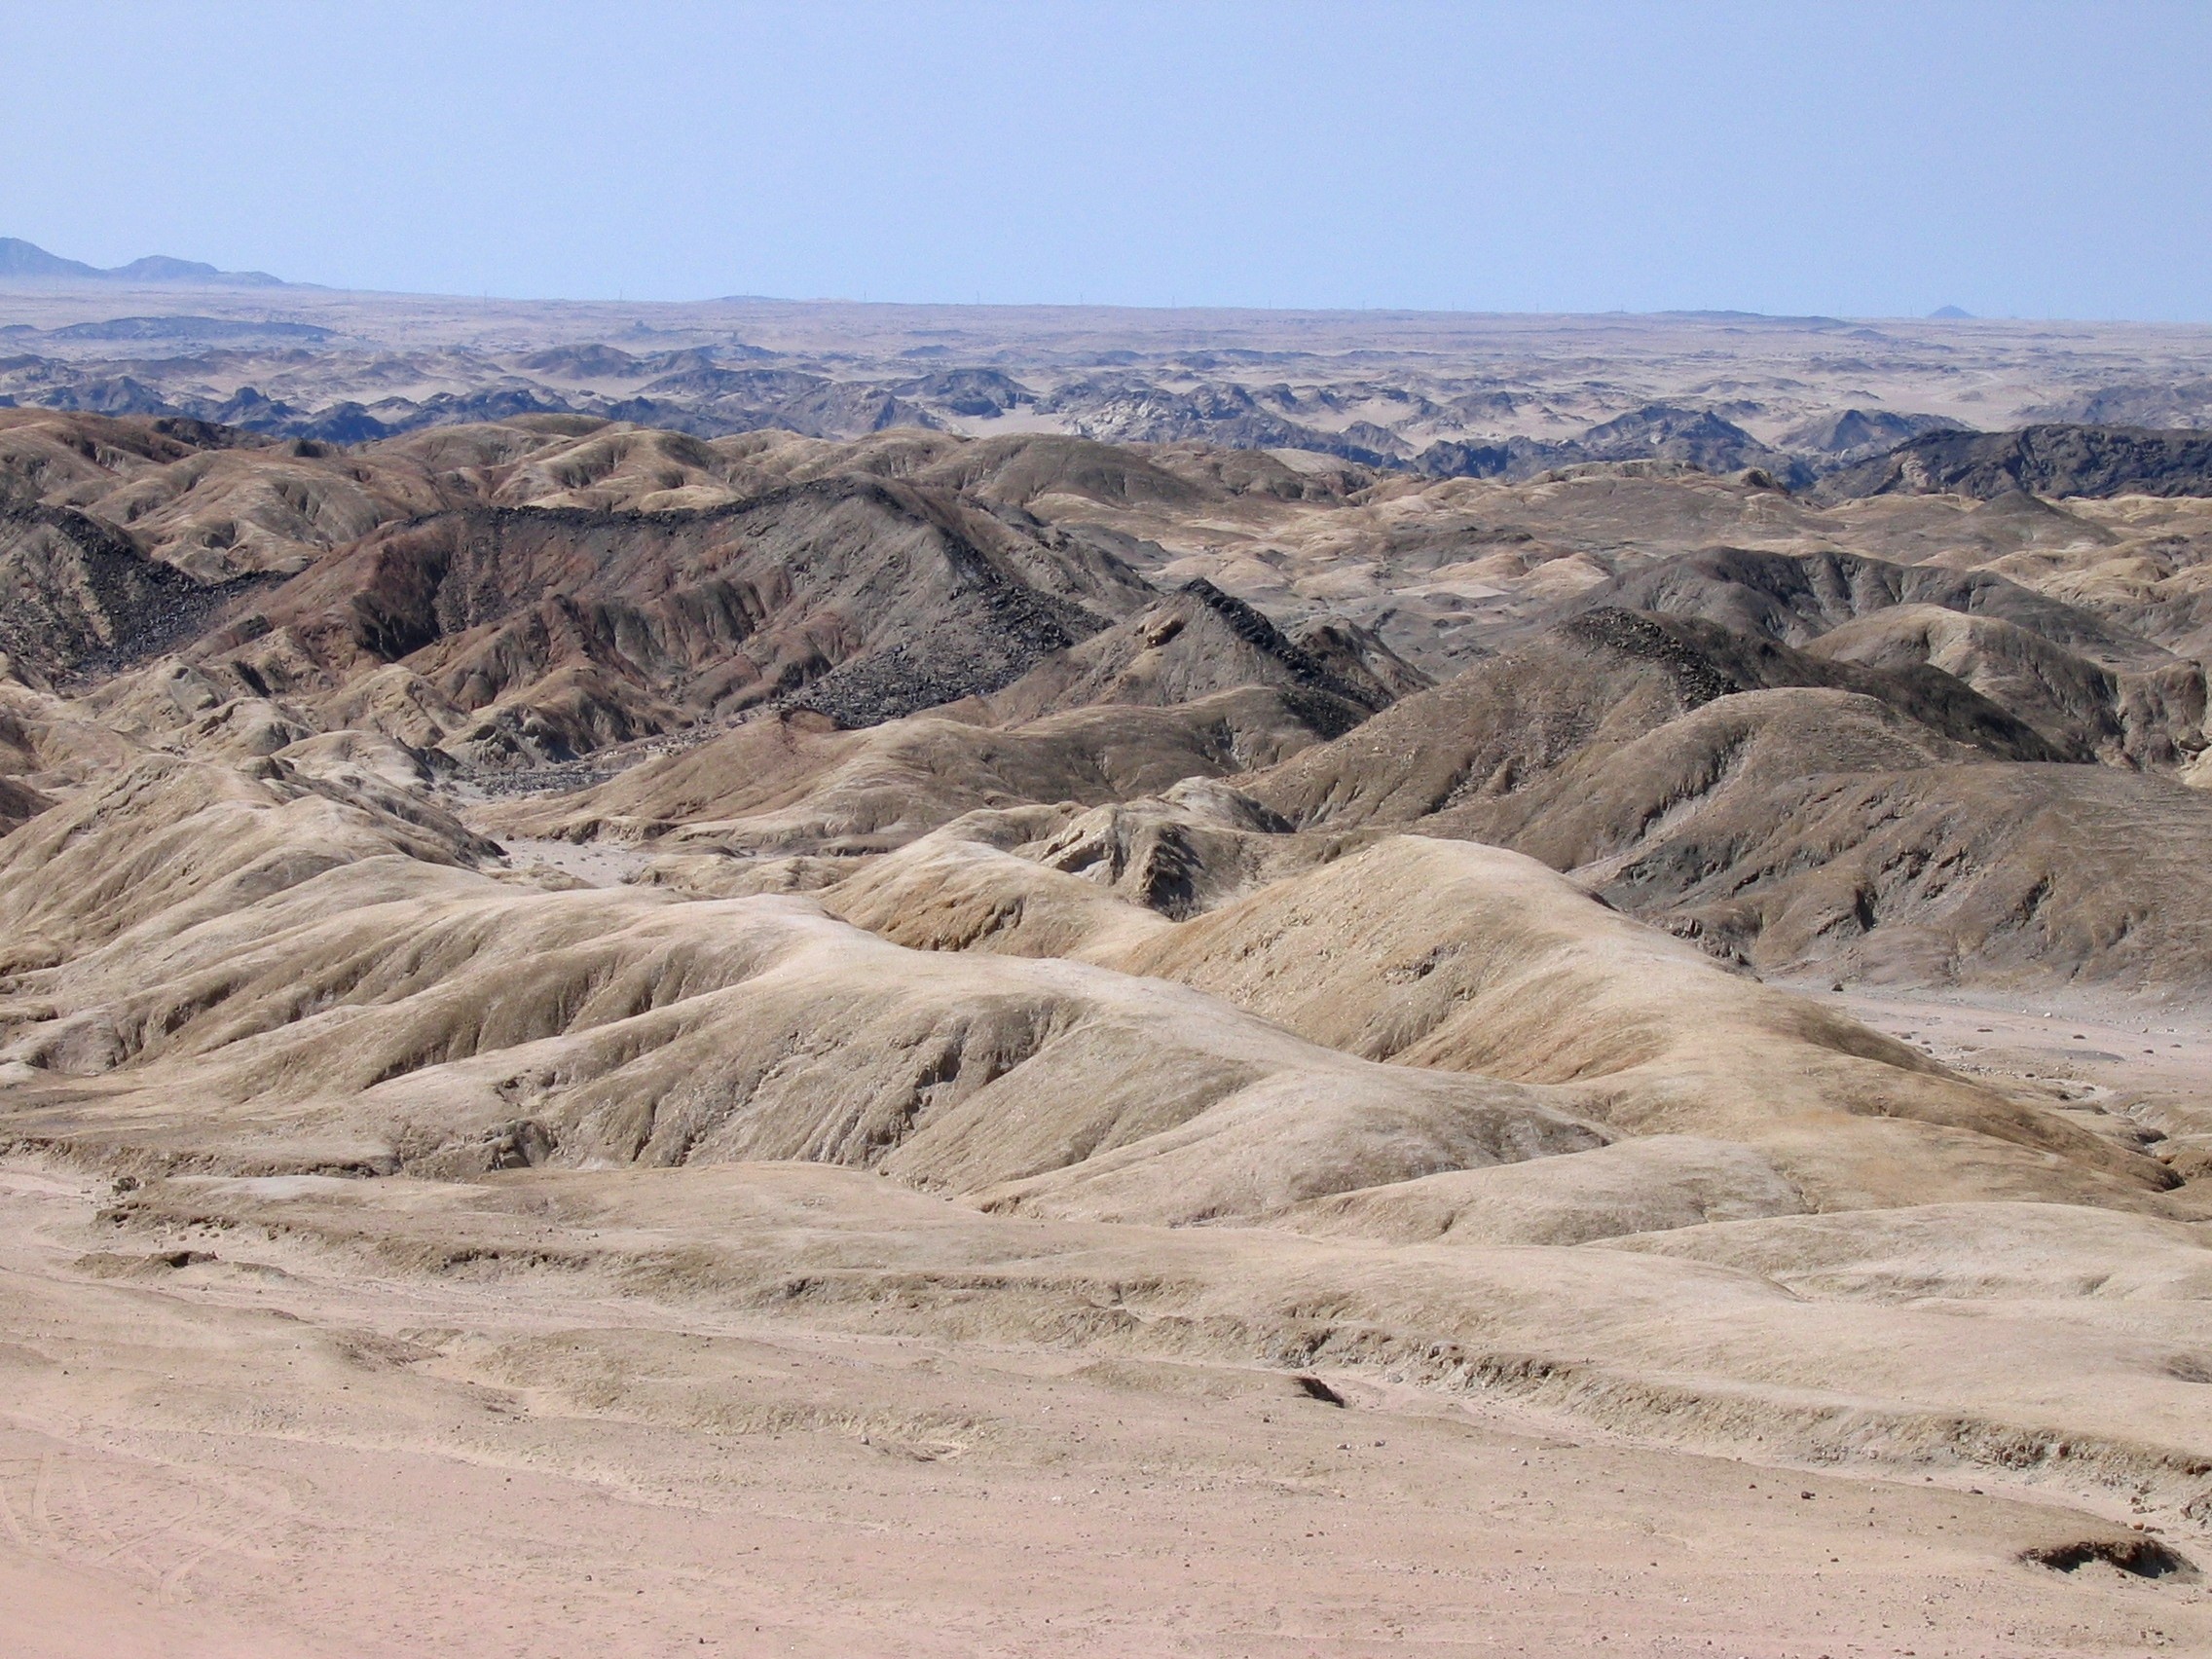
(1136, 907)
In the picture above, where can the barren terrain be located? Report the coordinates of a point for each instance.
(289, 1447)
(677, 1026)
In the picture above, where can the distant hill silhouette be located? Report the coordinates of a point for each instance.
(26, 262)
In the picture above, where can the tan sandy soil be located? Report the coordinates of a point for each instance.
(594, 864)
(2115, 1065)
(280, 1453)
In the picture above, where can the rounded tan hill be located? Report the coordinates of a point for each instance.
(1699, 780)
(1447, 955)
(289, 987)
(275, 974)
(797, 784)
(1451, 955)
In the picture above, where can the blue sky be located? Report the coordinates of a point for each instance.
(1869, 160)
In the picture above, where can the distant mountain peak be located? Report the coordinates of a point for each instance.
(1950, 313)
(22, 261)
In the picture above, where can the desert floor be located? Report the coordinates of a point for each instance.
(272, 1448)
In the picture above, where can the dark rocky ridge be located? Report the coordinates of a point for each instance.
(562, 630)
(1596, 683)
(1198, 641)
(1659, 431)
(1898, 827)
(1797, 598)
(1854, 434)
(2041, 461)
(79, 598)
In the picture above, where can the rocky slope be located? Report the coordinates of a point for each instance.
(2042, 461)
(707, 944)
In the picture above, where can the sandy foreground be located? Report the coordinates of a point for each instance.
(253, 1442)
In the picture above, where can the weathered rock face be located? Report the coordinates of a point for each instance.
(546, 634)
(1900, 823)
(78, 597)
(1797, 598)
(2041, 460)
(1198, 641)
(2153, 718)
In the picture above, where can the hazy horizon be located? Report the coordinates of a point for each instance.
(1716, 312)
(2029, 161)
